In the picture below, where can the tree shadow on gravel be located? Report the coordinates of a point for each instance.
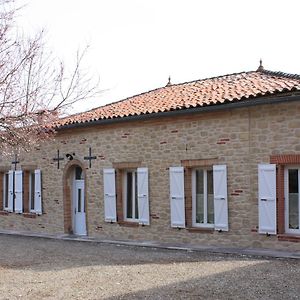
(45, 255)
(274, 279)
(38, 254)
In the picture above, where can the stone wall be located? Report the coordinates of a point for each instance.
(240, 138)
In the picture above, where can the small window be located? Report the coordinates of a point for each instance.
(5, 191)
(202, 198)
(292, 195)
(31, 191)
(78, 173)
(130, 195)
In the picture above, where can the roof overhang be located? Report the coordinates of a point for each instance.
(179, 112)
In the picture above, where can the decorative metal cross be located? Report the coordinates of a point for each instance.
(15, 162)
(90, 157)
(58, 159)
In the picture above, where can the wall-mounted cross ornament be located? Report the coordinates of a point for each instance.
(90, 157)
(15, 162)
(58, 159)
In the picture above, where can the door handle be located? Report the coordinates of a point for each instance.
(263, 199)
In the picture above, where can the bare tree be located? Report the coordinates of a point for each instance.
(35, 88)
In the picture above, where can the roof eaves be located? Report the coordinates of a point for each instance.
(227, 105)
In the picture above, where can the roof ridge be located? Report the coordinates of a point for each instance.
(163, 87)
(280, 74)
(93, 113)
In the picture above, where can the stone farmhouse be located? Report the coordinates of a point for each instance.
(211, 162)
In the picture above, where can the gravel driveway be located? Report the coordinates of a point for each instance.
(34, 268)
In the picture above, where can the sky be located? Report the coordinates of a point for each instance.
(135, 45)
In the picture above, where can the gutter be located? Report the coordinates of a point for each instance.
(187, 111)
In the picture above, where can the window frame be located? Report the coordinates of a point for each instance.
(6, 191)
(286, 198)
(134, 199)
(205, 198)
(31, 197)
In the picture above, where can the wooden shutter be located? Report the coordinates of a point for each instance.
(11, 194)
(18, 191)
(143, 195)
(267, 198)
(37, 192)
(177, 197)
(109, 181)
(220, 197)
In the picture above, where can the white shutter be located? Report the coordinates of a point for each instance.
(37, 192)
(10, 191)
(177, 197)
(18, 191)
(220, 197)
(267, 198)
(143, 195)
(109, 181)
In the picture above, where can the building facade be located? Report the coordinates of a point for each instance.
(212, 162)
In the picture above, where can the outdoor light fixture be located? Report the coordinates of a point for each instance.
(70, 156)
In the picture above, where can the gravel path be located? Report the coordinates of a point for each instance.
(34, 268)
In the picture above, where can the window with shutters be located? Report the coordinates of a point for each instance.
(126, 194)
(287, 173)
(292, 200)
(198, 196)
(202, 198)
(130, 197)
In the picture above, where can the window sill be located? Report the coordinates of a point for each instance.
(4, 213)
(201, 230)
(29, 215)
(128, 224)
(289, 238)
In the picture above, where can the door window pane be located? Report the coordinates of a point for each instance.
(79, 200)
(210, 197)
(199, 197)
(78, 173)
(293, 213)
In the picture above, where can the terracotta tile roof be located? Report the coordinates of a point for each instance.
(204, 92)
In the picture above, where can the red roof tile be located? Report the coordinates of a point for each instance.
(211, 91)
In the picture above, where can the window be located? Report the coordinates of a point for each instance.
(31, 191)
(126, 194)
(202, 198)
(286, 209)
(292, 200)
(6, 191)
(198, 196)
(130, 195)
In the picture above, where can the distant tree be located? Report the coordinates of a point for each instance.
(35, 88)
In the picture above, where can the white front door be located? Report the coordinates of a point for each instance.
(79, 208)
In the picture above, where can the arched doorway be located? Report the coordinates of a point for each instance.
(74, 199)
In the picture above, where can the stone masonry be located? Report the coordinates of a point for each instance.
(241, 138)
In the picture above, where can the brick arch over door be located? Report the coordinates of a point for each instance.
(67, 192)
